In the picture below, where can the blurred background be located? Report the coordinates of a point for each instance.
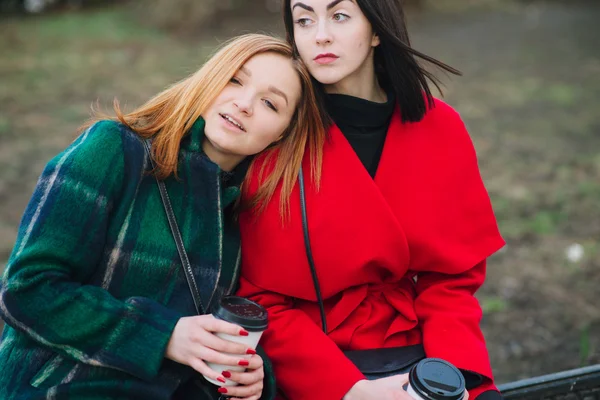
(530, 96)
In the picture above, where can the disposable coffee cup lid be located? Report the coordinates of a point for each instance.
(243, 312)
(437, 379)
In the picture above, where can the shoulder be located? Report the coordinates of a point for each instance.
(440, 141)
(106, 142)
(102, 156)
(441, 109)
(108, 136)
(441, 114)
(442, 127)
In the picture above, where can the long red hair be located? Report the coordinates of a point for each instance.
(168, 116)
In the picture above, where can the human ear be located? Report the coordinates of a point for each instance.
(375, 41)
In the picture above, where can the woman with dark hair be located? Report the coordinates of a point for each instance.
(399, 230)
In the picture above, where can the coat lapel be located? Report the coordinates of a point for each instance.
(366, 222)
(389, 173)
(384, 175)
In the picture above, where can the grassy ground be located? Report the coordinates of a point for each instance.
(53, 68)
(530, 97)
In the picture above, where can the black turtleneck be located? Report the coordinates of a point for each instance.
(364, 123)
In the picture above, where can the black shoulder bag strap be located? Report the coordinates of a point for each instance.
(185, 262)
(311, 262)
(373, 363)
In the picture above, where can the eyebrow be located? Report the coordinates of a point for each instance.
(309, 8)
(279, 92)
(272, 88)
(245, 70)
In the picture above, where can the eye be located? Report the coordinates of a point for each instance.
(270, 105)
(235, 81)
(340, 17)
(302, 22)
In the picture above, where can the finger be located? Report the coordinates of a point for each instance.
(217, 357)
(214, 342)
(466, 395)
(212, 324)
(256, 362)
(245, 391)
(246, 378)
(403, 378)
(205, 370)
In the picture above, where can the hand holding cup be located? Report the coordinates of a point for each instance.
(195, 342)
(252, 318)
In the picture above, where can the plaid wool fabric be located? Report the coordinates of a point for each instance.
(94, 285)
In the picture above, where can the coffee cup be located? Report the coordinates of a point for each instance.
(248, 315)
(435, 379)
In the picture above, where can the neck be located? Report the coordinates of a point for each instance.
(227, 162)
(362, 83)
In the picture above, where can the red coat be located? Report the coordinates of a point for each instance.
(426, 213)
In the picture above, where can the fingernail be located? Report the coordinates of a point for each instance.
(244, 332)
(222, 390)
(221, 379)
(244, 363)
(251, 352)
(226, 374)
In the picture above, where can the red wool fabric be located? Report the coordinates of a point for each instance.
(426, 214)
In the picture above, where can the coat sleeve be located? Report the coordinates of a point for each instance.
(452, 237)
(59, 245)
(449, 315)
(306, 362)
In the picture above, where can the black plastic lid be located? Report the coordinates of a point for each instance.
(243, 312)
(437, 379)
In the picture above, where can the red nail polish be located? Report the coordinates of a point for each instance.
(222, 390)
(221, 379)
(244, 332)
(244, 363)
(251, 352)
(226, 374)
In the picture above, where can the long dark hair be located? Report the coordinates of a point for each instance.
(396, 64)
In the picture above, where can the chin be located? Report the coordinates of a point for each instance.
(327, 76)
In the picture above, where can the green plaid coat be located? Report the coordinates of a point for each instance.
(94, 285)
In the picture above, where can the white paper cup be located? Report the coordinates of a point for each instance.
(250, 316)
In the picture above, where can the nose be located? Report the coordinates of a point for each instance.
(244, 103)
(323, 35)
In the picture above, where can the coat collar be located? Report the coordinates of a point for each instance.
(192, 140)
(192, 143)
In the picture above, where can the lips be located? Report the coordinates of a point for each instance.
(325, 55)
(232, 121)
(325, 58)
